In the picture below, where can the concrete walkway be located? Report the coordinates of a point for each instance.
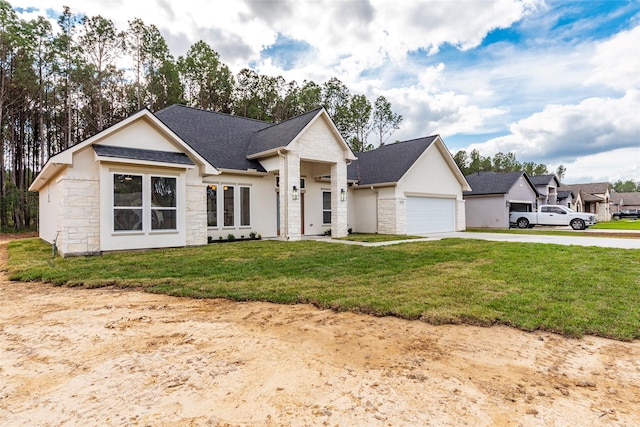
(582, 240)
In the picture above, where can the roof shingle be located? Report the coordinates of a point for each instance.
(387, 163)
(221, 139)
(485, 183)
(141, 154)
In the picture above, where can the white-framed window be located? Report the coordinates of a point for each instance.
(144, 202)
(245, 206)
(127, 202)
(164, 209)
(228, 205)
(326, 207)
(212, 205)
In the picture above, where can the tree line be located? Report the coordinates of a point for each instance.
(473, 162)
(61, 84)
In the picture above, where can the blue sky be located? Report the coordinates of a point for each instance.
(555, 82)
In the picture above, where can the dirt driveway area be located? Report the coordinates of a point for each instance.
(77, 357)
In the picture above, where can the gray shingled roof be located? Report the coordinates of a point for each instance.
(224, 140)
(279, 135)
(140, 154)
(543, 179)
(221, 139)
(589, 188)
(629, 199)
(484, 183)
(387, 163)
(565, 194)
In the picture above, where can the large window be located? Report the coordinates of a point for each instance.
(127, 202)
(163, 203)
(245, 206)
(143, 202)
(228, 205)
(212, 205)
(326, 207)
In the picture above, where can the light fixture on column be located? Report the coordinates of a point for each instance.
(343, 195)
(294, 193)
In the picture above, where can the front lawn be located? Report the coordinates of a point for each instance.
(565, 289)
(623, 224)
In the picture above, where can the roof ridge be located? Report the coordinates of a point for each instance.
(289, 119)
(235, 116)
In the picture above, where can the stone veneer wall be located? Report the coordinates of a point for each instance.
(339, 214)
(392, 216)
(461, 220)
(196, 215)
(79, 216)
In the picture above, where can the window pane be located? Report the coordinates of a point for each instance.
(127, 219)
(228, 206)
(326, 207)
(212, 206)
(245, 206)
(127, 190)
(163, 219)
(326, 200)
(163, 192)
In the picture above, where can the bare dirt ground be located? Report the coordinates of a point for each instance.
(111, 357)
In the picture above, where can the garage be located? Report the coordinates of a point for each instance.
(430, 215)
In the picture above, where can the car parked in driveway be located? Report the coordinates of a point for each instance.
(627, 213)
(552, 215)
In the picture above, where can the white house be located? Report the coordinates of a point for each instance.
(495, 195)
(182, 175)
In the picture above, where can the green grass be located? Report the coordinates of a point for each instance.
(565, 289)
(623, 224)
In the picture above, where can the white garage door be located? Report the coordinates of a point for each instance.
(430, 215)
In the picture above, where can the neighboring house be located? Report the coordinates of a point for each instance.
(592, 198)
(547, 186)
(566, 198)
(410, 187)
(495, 195)
(182, 176)
(622, 201)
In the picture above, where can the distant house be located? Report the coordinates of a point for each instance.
(592, 198)
(566, 198)
(621, 201)
(494, 195)
(181, 176)
(547, 186)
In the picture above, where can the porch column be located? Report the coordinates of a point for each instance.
(338, 207)
(290, 210)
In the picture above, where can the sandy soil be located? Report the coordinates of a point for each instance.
(112, 357)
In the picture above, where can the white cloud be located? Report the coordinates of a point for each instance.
(616, 61)
(611, 166)
(569, 131)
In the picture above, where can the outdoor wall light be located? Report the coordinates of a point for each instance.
(294, 193)
(343, 195)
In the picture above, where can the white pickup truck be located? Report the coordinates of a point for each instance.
(552, 215)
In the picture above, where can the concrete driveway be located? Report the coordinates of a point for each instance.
(581, 239)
